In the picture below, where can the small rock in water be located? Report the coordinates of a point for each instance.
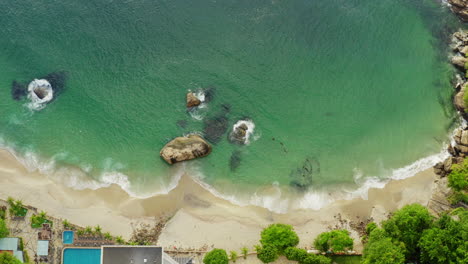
(185, 148)
(192, 100)
(242, 131)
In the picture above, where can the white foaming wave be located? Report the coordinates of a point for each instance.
(77, 177)
(37, 103)
(250, 129)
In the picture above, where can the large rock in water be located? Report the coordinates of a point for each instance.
(460, 7)
(459, 100)
(185, 148)
(192, 100)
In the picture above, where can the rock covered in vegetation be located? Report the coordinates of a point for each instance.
(460, 8)
(185, 148)
(192, 100)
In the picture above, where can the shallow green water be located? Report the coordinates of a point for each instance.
(356, 86)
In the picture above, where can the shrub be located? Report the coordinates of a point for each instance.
(119, 240)
(268, 254)
(7, 258)
(297, 254)
(4, 232)
(407, 226)
(245, 252)
(279, 236)
(334, 241)
(315, 259)
(108, 236)
(216, 256)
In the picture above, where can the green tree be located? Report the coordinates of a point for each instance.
(407, 226)
(233, 256)
(98, 229)
(381, 250)
(119, 240)
(279, 236)
(296, 254)
(268, 254)
(108, 236)
(334, 241)
(446, 242)
(216, 256)
(66, 224)
(4, 232)
(7, 258)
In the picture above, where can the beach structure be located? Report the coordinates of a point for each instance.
(122, 255)
(12, 246)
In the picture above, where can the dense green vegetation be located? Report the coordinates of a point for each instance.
(4, 232)
(334, 241)
(279, 236)
(280, 239)
(7, 258)
(458, 181)
(17, 208)
(39, 219)
(412, 235)
(216, 256)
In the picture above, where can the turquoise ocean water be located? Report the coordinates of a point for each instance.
(347, 89)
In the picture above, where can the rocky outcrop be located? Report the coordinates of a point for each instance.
(459, 61)
(192, 100)
(458, 99)
(460, 8)
(185, 148)
(438, 204)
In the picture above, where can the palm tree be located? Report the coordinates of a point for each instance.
(88, 230)
(119, 240)
(98, 229)
(43, 215)
(11, 201)
(108, 236)
(66, 224)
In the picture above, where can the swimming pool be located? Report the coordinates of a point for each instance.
(81, 256)
(67, 237)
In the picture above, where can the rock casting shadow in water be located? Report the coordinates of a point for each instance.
(235, 160)
(56, 79)
(302, 178)
(216, 127)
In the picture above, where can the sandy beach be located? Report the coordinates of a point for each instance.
(199, 219)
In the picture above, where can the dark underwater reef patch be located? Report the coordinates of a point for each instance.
(302, 177)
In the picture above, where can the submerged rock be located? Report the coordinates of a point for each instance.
(302, 177)
(235, 160)
(18, 90)
(185, 148)
(214, 128)
(192, 100)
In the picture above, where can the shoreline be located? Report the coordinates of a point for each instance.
(195, 211)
